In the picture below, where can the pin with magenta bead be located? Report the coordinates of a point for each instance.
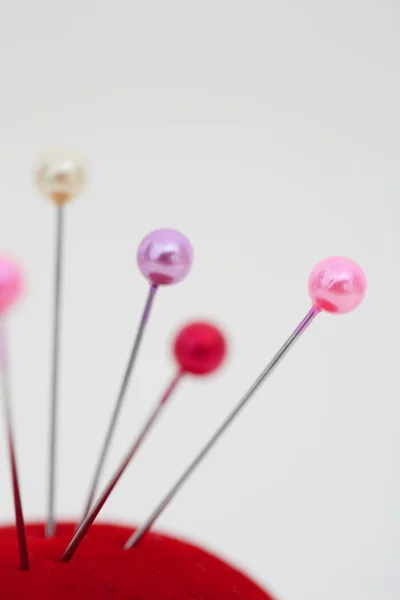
(337, 285)
(199, 349)
(165, 257)
(10, 290)
(60, 176)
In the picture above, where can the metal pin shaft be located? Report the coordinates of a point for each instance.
(19, 517)
(137, 535)
(118, 405)
(50, 525)
(91, 516)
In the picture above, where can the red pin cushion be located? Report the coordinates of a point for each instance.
(159, 568)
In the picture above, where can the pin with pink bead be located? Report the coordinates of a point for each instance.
(337, 285)
(165, 257)
(199, 349)
(10, 290)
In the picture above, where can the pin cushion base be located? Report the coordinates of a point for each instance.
(159, 568)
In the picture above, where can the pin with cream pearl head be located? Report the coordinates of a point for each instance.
(60, 176)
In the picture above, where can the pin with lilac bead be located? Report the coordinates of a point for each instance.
(164, 257)
(336, 285)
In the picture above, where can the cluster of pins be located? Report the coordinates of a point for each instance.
(336, 285)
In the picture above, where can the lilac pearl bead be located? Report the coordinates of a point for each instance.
(165, 256)
(337, 285)
(10, 284)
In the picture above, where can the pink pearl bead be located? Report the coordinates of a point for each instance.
(10, 284)
(165, 256)
(337, 285)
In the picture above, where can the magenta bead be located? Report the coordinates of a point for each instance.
(10, 284)
(165, 256)
(200, 348)
(337, 285)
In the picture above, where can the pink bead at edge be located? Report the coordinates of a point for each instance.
(10, 283)
(337, 285)
(165, 256)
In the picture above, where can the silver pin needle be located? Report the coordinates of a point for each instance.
(19, 518)
(50, 525)
(91, 516)
(120, 398)
(137, 535)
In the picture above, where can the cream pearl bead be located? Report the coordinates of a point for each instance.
(60, 176)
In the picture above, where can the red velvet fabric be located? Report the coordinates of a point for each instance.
(159, 568)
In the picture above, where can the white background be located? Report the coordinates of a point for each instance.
(268, 133)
